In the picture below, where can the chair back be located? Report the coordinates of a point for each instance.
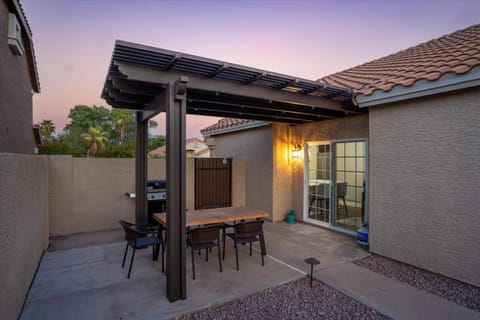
(205, 234)
(131, 234)
(341, 189)
(248, 229)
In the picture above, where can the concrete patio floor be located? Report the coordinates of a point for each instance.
(80, 277)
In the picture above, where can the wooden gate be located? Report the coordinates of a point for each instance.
(213, 182)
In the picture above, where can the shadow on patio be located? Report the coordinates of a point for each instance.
(80, 277)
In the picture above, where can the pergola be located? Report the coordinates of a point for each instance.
(151, 80)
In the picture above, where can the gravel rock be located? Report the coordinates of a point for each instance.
(461, 293)
(292, 300)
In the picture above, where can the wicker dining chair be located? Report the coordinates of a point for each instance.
(247, 232)
(141, 236)
(204, 237)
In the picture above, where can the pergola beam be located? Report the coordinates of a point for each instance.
(237, 110)
(139, 73)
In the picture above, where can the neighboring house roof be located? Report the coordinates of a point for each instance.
(15, 7)
(194, 144)
(456, 53)
(231, 124)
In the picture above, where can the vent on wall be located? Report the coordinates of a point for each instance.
(15, 35)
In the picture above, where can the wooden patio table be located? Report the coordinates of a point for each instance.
(215, 215)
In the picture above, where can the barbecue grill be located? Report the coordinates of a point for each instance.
(156, 197)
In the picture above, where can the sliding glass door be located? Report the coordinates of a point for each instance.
(319, 161)
(335, 183)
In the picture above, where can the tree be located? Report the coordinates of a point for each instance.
(155, 141)
(122, 120)
(84, 117)
(47, 129)
(95, 139)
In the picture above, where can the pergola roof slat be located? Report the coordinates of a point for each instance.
(286, 98)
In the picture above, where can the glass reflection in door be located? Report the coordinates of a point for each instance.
(319, 181)
(350, 173)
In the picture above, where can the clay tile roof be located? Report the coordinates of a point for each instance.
(457, 52)
(224, 124)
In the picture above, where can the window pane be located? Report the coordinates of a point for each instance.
(360, 164)
(360, 179)
(340, 148)
(340, 164)
(350, 178)
(350, 149)
(340, 176)
(350, 164)
(361, 149)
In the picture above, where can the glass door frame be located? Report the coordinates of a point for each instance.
(333, 169)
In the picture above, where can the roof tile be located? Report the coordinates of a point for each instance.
(223, 124)
(457, 52)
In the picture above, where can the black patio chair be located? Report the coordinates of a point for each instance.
(204, 237)
(341, 193)
(247, 232)
(140, 236)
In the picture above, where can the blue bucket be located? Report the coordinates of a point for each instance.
(362, 237)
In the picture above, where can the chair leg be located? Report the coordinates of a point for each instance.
(193, 264)
(206, 254)
(223, 240)
(250, 248)
(154, 252)
(219, 258)
(125, 256)
(163, 256)
(131, 263)
(345, 205)
(263, 249)
(236, 252)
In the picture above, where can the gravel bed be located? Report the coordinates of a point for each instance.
(292, 300)
(462, 293)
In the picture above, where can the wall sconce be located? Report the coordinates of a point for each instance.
(297, 151)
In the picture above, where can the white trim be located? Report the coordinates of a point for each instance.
(325, 225)
(238, 127)
(447, 82)
(306, 164)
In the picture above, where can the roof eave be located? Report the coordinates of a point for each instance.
(421, 88)
(239, 127)
(32, 63)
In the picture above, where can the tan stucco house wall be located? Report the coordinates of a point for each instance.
(16, 134)
(424, 183)
(254, 146)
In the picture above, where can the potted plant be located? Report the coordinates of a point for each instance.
(290, 217)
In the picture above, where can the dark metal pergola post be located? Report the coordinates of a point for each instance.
(175, 167)
(141, 168)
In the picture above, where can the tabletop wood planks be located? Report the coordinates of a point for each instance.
(215, 215)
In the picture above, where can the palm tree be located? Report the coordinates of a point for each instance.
(47, 128)
(95, 139)
(122, 120)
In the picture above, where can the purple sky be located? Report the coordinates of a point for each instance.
(73, 40)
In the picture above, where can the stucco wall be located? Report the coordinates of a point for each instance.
(23, 226)
(282, 171)
(89, 194)
(424, 183)
(16, 134)
(336, 129)
(254, 146)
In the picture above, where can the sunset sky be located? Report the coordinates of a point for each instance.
(73, 40)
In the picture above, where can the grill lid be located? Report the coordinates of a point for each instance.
(156, 185)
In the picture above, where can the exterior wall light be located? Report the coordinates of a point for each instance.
(297, 151)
